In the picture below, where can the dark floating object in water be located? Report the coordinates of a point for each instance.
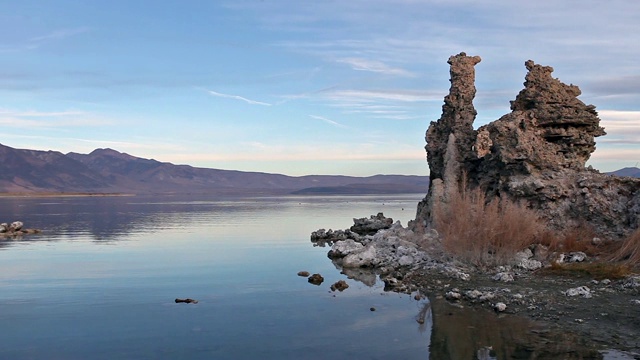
(372, 309)
(188, 301)
(303, 273)
(315, 279)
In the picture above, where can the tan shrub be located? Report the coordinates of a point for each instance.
(629, 251)
(484, 233)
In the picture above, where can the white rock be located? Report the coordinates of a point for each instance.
(345, 247)
(500, 307)
(452, 295)
(503, 276)
(365, 258)
(16, 225)
(529, 264)
(576, 256)
(473, 294)
(406, 260)
(579, 291)
(487, 296)
(523, 255)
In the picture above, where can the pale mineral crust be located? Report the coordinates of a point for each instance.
(537, 154)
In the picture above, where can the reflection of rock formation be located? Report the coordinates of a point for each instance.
(536, 153)
(464, 333)
(365, 276)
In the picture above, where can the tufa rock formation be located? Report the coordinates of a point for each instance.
(536, 153)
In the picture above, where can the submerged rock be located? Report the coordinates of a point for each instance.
(303, 273)
(315, 279)
(340, 285)
(186, 301)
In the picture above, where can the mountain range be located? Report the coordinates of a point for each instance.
(628, 171)
(107, 171)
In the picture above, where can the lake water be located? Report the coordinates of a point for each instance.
(100, 281)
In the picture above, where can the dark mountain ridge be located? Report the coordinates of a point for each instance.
(110, 171)
(628, 171)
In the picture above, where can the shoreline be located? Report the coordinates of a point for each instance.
(47, 195)
(607, 317)
(579, 313)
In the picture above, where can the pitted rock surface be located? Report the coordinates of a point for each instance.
(537, 153)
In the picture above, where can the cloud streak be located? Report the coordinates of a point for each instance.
(237, 97)
(38, 41)
(374, 66)
(58, 34)
(328, 121)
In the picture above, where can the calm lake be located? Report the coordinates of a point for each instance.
(100, 281)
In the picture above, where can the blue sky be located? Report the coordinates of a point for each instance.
(298, 87)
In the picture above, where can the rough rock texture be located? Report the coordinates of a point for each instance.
(536, 153)
(370, 226)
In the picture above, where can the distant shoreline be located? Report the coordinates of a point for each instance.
(47, 194)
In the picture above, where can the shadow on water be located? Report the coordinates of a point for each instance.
(462, 332)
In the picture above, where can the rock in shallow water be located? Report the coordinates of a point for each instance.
(315, 279)
(186, 301)
(340, 285)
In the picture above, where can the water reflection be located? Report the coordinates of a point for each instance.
(467, 333)
(107, 219)
(461, 332)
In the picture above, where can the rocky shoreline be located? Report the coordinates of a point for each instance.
(605, 311)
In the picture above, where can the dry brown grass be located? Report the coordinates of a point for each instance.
(484, 233)
(629, 251)
(595, 270)
(578, 238)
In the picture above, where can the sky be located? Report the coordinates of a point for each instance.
(299, 87)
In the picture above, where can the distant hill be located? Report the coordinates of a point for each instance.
(628, 171)
(110, 171)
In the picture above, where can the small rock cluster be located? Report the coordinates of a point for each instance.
(388, 248)
(15, 229)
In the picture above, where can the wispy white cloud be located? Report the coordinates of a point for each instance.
(386, 94)
(328, 121)
(33, 119)
(34, 113)
(237, 97)
(374, 66)
(59, 34)
(38, 41)
(622, 127)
